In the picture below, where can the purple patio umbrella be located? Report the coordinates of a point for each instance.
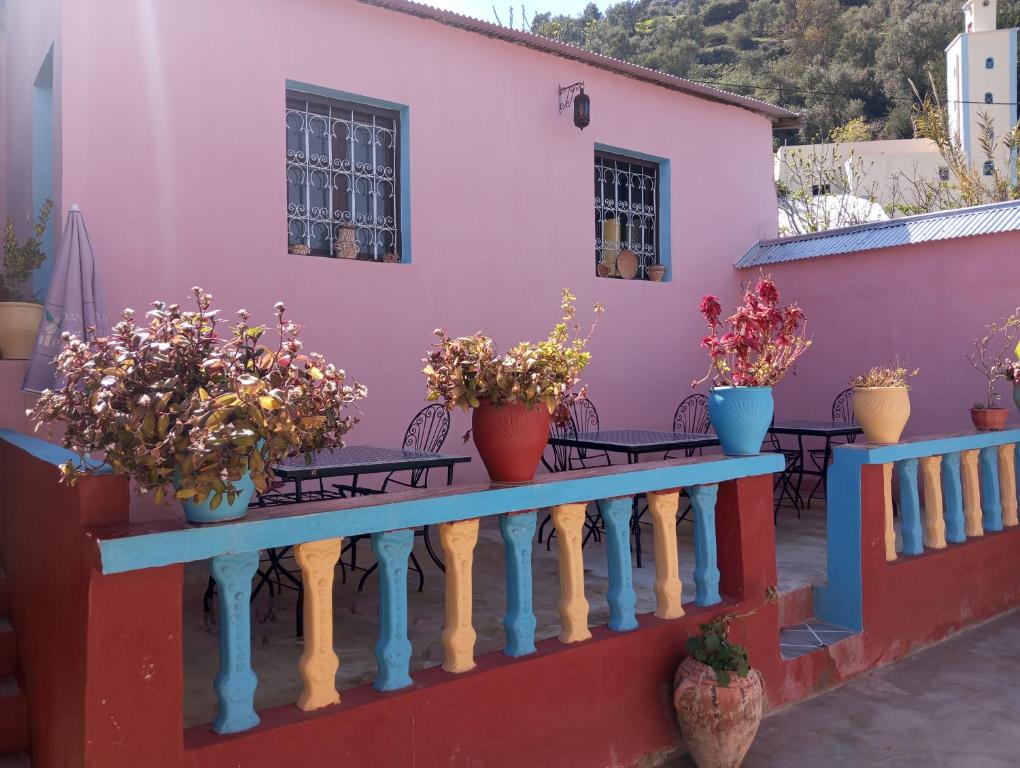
(73, 302)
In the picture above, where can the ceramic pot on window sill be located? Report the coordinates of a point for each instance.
(347, 246)
(655, 272)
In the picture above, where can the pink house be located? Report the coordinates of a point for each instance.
(178, 129)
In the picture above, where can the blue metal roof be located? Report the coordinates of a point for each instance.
(909, 230)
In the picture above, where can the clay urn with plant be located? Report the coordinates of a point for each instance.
(750, 351)
(882, 402)
(511, 395)
(20, 309)
(188, 413)
(718, 698)
(990, 358)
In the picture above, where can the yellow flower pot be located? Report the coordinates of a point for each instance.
(882, 412)
(19, 323)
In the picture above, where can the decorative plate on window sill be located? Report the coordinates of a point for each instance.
(627, 264)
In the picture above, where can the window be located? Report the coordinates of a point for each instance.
(821, 189)
(988, 168)
(343, 185)
(626, 212)
(989, 63)
(989, 98)
(943, 173)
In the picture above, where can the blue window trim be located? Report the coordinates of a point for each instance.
(405, 149)
(664, 212)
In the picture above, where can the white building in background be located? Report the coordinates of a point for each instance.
(981, 81)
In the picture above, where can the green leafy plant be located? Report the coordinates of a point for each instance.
(462, 371)
(713, 648)
(172, 404)
(990, 356)
(892, 375)
(22, 259)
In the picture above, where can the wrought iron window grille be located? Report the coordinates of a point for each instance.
(343, 178)
(626, 212)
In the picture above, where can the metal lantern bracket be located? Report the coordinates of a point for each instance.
(568, 92)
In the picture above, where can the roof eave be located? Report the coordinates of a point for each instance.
(782, 119)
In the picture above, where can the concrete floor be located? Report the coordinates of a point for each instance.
(951, 706)
(276, 650)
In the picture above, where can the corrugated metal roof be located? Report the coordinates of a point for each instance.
(781, 118)
(910, 230)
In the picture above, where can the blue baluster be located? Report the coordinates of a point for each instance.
(910, 507)
(952, 498)
(706, 567)
(991, 504)
(519, 621)
(622, 600)
(236, 681)
(393, 651)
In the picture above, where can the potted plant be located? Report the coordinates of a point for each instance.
(180, 409)
(882, 402)
(718, 698)
(20, 310)
(750, 351)
(989, 358)
(511, 396)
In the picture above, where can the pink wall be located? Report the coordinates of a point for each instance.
(926, 303)
(32, 27)
(177, 159)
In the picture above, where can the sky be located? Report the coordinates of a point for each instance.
(482, 9)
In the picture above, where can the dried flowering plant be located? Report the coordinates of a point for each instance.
(759, 343)
(990, 356)
(892, 375)
(462, 371)
(171, 403)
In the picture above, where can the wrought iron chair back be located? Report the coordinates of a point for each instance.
(426, 434)
(586, 419)
(843, 410)
(561, 454)
(692, 415)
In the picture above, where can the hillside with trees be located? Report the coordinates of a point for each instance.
(837, 63)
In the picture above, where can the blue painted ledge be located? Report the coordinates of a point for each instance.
(133, 547)
(45, 451)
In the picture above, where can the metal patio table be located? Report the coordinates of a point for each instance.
(806, 428)
(634, 442)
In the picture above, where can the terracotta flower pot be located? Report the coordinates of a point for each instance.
(347, 246)
(655, 272)
(19, 324)
(510, 439)
(989, 419)
(882, 412)
(718, 722)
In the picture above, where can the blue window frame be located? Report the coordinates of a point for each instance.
(988, 168)
(990, 63)
(989, 98)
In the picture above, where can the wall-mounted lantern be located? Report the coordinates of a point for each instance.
(582, 103)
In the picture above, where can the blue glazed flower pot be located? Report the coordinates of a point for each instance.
(202, 513)
(741, 417)
(1016, 396)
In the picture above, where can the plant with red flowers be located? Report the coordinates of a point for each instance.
(758, 344)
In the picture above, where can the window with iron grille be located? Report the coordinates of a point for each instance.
(343, 185)
(626, 212)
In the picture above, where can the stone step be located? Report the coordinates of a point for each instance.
(8, 649)
(796, 606)
(810, 636)
(13, 717)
